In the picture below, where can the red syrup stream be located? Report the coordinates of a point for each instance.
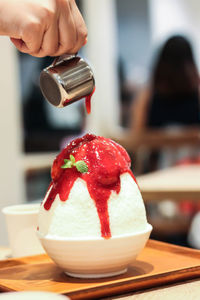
(87, 101)
(106, 161)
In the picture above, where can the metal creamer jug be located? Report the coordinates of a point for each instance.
(67, 80)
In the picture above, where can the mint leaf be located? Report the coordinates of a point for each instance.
(72, 158)
(81, 166)
(67, 165)
(66, 160)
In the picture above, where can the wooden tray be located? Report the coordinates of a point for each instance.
(158, 264)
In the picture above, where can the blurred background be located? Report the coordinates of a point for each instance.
(125, 38)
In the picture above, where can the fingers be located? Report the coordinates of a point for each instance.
(81, 30)
(19, 44)
(72, 30)
(66, 29)
(52, 31)
(31, 38)
(49, 45)
(39, 41)
(50, 40)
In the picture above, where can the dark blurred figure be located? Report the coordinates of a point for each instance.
(126, 96)
(169, 107)
(175, 86)
(172, 97)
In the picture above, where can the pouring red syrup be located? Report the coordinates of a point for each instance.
(106, 161)
(87, 101)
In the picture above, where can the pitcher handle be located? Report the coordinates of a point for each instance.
(63, 57)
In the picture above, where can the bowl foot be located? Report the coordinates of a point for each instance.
(102, 275)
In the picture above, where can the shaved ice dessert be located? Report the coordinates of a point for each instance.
(93, 193)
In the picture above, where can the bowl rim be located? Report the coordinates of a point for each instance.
(89, 239)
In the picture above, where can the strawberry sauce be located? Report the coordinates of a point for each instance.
(87, 101)
(106, 161)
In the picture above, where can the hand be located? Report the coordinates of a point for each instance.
(43, 27)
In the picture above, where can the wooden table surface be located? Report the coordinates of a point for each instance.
(185, 291)
(178, 183)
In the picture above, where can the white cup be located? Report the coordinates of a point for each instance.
(21, 223)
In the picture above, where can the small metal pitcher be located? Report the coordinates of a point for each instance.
(67, 80)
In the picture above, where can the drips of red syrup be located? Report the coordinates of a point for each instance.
(106, 161)
(87, 101)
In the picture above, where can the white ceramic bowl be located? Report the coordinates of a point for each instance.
(95, 258)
